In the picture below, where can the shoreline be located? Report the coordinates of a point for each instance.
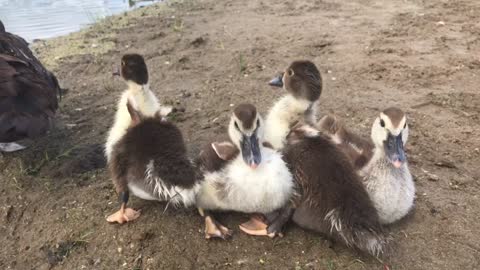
(95, 39)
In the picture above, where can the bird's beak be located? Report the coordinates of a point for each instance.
(251, 150)
(277, 81)
(394, 150)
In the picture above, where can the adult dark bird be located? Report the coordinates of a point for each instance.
(28, 93)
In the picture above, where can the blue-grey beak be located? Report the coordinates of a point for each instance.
(394, 150)
(277, 81)
(251, 150)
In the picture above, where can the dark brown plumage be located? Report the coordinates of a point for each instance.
(395, 114)
(28, 91)
(303, 80)
(134, 69)
(246, 113)
(358, 149)
(333, 201)
(209, 161)
(156, 141)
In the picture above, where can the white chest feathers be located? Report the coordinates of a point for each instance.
(391, 190)
(152, 187)
(240, 188)
(286, 112)
(146, 103)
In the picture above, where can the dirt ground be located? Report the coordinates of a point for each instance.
(206, 56)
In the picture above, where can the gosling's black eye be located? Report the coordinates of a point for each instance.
(382, 123)
(290, 72)
(236, 125)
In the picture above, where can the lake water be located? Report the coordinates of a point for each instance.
(40, 19)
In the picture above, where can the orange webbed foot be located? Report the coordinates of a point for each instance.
(123, 215)
(213, 229)
(256, 226)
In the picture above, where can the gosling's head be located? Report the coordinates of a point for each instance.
(390, 133)
(133, 69)
(301, 79)
(245, 131)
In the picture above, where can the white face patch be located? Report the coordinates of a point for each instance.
(237, 131)
(380, 133)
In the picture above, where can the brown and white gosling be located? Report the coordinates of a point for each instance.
(134, 71)
(332, 199)
(150, 161)
(243, 174)
(380, 160)
(303, 83)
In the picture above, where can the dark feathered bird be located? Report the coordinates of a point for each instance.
(332, 199)
(150, 161)
(28, 91)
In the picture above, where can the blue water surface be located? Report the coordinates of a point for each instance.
(41, 19)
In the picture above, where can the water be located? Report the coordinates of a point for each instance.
(41, 19)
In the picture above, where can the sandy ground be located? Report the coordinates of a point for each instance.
(204, 56)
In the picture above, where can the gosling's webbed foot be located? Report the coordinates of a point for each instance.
(257, 226)
(123, 215)
(213, 229)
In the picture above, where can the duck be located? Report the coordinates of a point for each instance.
(303, 83)
(244, 174)
(28, 93)
(150, 161)
(380, 160)
(134, 71)
(331, 199)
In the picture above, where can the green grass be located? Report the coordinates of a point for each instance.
(178, 25)
(242, 64)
